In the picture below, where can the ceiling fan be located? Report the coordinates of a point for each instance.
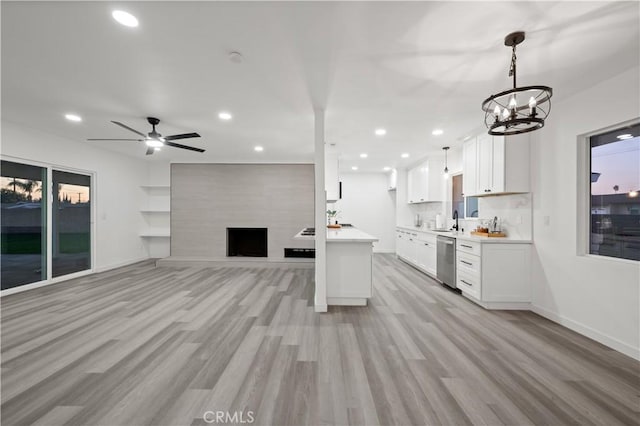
(155, 140)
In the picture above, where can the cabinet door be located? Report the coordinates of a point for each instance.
(401, 238)
(412, 248)
(412, 181)
(422, 254)
(435, 180)
(431, 258)
(498, 165)
(423, 183)
(331, 179)
(485, 163)
(417, 184)
(470, 168)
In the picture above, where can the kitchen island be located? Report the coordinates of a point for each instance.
(349, 266)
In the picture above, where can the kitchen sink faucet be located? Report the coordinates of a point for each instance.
(455, 216)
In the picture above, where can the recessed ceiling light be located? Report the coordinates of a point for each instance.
(225, 116)
(235, 57)
(437, 132)
(625, 136)
(354, 168)
(363, 155)
(73, 117)
(381, 132)
(405, 155)
(258, 149)
(157, 148)
(386, 169)
(125, 18)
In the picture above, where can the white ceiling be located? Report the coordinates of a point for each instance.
(409, 67)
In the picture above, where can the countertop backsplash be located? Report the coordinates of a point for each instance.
(514, 211)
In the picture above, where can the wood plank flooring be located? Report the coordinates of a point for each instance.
(142, 345)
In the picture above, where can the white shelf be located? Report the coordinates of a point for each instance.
(155, 186)
(156, 234)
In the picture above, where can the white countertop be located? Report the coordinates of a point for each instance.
(342, 235)
(467, 236)
(349, 235)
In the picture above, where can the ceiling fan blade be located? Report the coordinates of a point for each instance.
(177, 145)
(137, 140)
(150, 150)
(129, 128)
(182, 136)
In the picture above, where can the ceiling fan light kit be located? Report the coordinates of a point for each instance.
(504, 115)
(155, 140)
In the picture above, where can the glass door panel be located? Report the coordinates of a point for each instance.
(71, 223)
(23, 219)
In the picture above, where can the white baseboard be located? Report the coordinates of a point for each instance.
(120, 264)
(588, 331)
(58, 280)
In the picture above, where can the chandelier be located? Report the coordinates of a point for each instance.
(504, 115)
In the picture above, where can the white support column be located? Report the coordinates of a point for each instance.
(320, 215)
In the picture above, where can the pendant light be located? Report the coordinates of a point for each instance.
(517, 110)
(445, 174)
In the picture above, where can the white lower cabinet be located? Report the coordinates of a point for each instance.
(418, 249)
(495, 275)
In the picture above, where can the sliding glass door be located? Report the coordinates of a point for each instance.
(71, 223)
(42, 240)
(24, 220)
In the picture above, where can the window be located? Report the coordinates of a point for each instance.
(24, 224)
(43, 240)
(467, 207)
(614, 196)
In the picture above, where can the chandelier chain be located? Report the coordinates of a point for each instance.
(512, 69)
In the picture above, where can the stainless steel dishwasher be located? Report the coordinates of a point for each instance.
(446, 271)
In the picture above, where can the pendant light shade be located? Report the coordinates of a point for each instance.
(517, 110)
(445, 173)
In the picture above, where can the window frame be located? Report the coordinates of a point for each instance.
(583, 204)
(49, 222)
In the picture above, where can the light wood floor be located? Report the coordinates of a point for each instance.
(161, 346)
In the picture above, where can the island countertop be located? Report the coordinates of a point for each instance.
(342, 235)
(349, 235)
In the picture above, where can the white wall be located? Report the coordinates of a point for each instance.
(596, 296)
(117, 192)
(368, 205)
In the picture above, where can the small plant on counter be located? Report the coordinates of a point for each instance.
(331, 214)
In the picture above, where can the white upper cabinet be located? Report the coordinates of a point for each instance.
(470, 168)
(417, 184)
(393, 180)
(501, 165)
(425, 182)
(331, 178)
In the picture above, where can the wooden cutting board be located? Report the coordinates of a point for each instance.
(489, 234)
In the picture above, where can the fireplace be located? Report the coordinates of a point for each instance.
(247, 242)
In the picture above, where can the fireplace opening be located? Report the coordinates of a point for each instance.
(247, 242)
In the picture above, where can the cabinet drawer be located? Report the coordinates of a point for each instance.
(471, 247)
(468, 283)
(468, 263)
